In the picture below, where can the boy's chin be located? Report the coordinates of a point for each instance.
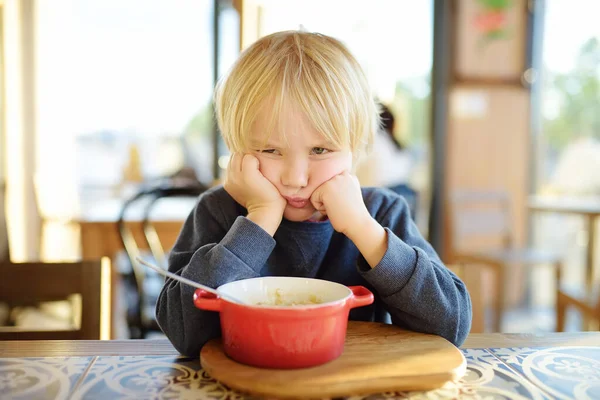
(298, 215)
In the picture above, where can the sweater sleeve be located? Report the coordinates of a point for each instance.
(418, 290)
(209, 252)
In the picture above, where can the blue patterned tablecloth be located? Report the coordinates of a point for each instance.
(495, 373)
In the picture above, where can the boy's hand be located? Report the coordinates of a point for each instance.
(340, 198)
(249, 187)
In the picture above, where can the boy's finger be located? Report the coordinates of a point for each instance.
(316, 200)
(249, 163)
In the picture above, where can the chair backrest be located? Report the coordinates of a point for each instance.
(480, 219)
(152, 194)
(33, 283)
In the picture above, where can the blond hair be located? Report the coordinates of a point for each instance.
(313, 72)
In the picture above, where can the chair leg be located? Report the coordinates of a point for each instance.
(559, 304)
(499, 300)
(561, 309)
(473, 280)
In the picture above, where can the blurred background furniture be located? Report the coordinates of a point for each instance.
(141, 285)
(481, 236)
(587, 304)
(99, 235)
(31, 284)
(588, 208)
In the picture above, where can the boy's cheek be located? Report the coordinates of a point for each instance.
(263, 165)
(334, 169)
(268, 170)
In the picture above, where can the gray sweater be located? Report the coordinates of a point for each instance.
(218, 244)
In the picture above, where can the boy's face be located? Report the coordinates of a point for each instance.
(298, 163)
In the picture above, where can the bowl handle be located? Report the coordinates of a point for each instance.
(361, 296)
(207, 301)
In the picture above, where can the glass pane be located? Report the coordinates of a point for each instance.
(135, 85)
(229, 50)
(570, 140)
(568, 147)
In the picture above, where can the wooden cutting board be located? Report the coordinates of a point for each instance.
(377, 358)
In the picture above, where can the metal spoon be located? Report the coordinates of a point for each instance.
(187, 281)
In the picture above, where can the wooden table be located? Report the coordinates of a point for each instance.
(98, 225)
(100, 237)
(552, 366)
(589, 208)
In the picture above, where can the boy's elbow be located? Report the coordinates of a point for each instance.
(175, 335)
(463, 325)
(186, 345)
(454, 324)
(189, 348)
(460, 334)
(189, 340)
(456, 333)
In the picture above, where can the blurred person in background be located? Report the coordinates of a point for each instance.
(389, 164)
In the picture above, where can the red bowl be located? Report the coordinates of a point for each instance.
(263, 334)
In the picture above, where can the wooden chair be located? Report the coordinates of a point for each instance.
(29, 284)
(587, 304)
(481, 235)
(141, 318)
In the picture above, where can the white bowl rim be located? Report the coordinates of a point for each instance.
(298, 307)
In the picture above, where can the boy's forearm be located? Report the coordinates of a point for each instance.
(420, 293)
(439, 304)
(371, 240)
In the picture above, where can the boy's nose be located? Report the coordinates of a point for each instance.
(295, 174)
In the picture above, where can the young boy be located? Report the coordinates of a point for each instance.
(295, 111)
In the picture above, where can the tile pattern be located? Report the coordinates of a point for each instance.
(151, 377)
(562, 372)
(41, 378)
(486, 378)
(515, 373)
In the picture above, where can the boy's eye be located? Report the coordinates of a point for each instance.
(269, 151)
(319, 150)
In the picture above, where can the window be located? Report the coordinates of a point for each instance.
(569, 144)
(120, 79)
(567, 152)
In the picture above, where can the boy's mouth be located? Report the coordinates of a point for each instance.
(296, 202)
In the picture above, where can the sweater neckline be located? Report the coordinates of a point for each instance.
(308, 226)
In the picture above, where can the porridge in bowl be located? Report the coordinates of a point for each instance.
(280, 299)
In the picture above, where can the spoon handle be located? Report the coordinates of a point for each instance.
(176, 277)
